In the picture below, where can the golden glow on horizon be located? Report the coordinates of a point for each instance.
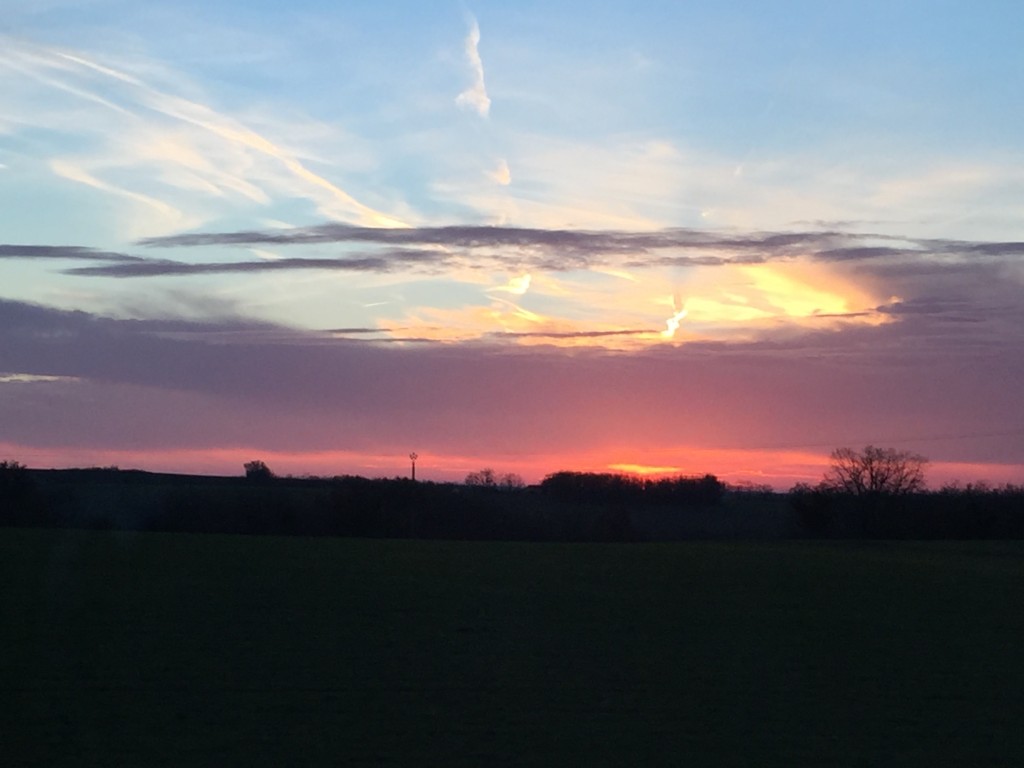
(644, 469)
(780, 469)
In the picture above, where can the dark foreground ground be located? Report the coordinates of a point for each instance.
(138, 649)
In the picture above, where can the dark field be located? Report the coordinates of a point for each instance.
(176, 649)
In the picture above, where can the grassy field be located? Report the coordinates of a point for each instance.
(171, 649)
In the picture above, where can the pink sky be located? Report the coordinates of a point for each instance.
(205, 397)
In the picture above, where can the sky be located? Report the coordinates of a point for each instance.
(662, 237)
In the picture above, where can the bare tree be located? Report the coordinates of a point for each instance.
(511, 481)
(875, 471)
(486, 478)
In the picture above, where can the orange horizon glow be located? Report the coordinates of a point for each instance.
(644, 470)
(778, 469)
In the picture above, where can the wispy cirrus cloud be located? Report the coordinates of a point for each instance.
(475, 96)
(168, 214)
(149, 143)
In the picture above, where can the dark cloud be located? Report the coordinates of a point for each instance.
(916, 307)
(574, 334)
(561, 249)
(165, 268)
(24, 322)
(430, 249)
(383, 261)
(863, 253)
(829, 244)
(839, 224)
(995, 249)
(694, 261)
(63, 252)
(474, 237)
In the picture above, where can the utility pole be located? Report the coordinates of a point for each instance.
(413, 456)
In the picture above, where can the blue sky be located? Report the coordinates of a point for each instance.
(881, 138)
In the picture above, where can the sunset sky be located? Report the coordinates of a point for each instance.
(663, 236)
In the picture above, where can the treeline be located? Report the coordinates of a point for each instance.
(592, 487)
(977, 511)
(566, 506)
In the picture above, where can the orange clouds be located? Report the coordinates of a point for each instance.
(651, 307)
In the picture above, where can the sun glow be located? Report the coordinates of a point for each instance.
(644, 469)
(803, 291)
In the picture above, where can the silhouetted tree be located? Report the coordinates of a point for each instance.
(875, 471)
(485, 478)
(12, 469)
(257, 470)
(510, 481)
(874, 490)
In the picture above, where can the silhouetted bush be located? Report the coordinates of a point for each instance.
(257, 470)
(815, 510)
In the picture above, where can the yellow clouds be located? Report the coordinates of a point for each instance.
(469, 323)
(562, 325)
(654, 306)
(517, 285)
(579, 310)
(740, 300)
(802, 291)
